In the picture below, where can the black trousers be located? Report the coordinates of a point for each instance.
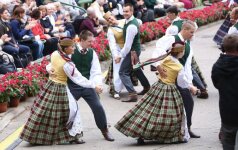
(125, 71)
(229, 137)
(91, 97)
(188, 104)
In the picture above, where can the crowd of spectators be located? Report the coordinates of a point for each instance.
(35, 26)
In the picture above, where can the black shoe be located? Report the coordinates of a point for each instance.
(193, 135)
(145, 90)
(107, 135)
(140, 141)
(203, 94)
(77, 141)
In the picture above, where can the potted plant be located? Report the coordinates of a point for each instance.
(15, 92)
(4, 99)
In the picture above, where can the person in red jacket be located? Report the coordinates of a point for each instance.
(38, 30)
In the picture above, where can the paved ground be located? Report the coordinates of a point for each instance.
(206, 120)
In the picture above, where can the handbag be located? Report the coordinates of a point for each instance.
(6, 66)
(28, 39)
(22, 60)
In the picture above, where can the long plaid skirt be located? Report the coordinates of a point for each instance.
(48, 117)
(157, 116)
(222, 31)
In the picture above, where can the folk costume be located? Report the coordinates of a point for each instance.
(87, 62)
(54, 117)
(116, 43)
(198, 78)
(162, 45)
(159, 115)
(233, 29)
(132, 45)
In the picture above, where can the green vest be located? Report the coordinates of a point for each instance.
(136, 42)
(186, 52)
(83, 61)
(179, 24)
(236, 26)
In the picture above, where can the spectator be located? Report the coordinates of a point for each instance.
(29, 5)
(38, 30)
(224, 78)
(91, 23)
(97, 5)
(22, 31)
(12, 46)
(4, 38)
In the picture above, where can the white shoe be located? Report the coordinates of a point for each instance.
(116, 96)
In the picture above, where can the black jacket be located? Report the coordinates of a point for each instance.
(225, 79)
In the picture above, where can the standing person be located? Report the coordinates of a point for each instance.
(130, 54)
(160, 113)
(163, 44)
(116, 43)
(50, 119)
(175, 28)
(87, 62)
(234, 19)
(224, 78)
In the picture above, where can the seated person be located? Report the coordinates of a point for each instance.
(167, 3)
(57, 31)
(141, 12)
(22, 31)
(91, 23)
(4, 38)
(97, 6)
(51, 43)
(11, 46)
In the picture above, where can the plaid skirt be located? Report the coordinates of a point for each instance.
(222, 31)
(48, 118)
(157, 116)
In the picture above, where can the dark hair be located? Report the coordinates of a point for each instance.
(16, 13)
(85, 34)
(172, 9)
(230, 43)
(129, 5)
(36, 14)
(2, 10)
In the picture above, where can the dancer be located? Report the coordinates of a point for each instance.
(160, 114)
(53, 119)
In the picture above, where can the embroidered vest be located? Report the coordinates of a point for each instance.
(118, 33)
(187, 50)
(179, 24)
(83, 61)
(57, 64)
(136, 42)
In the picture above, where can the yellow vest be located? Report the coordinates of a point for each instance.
(172, 68)
(118, 33)
(57, 63)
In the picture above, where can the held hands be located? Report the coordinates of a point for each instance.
(52, 73)
(98, 89)
(117, 60)
(162, 71)
(134, 58)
